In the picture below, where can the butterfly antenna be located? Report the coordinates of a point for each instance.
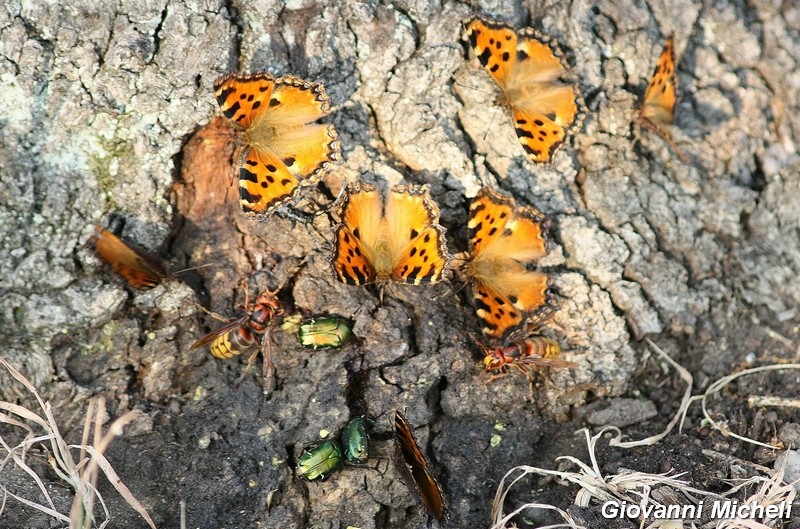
(191, 268)
(491, 122)
(402, 304)
(354, 314)
(474, 87)
(336, 201)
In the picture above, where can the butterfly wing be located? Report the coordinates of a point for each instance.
(282, 152)
(528, 66)
(243, 98)
(496, 227)
(307, 150)
(412, 464)
(495, 45)
(514, 294)
(545, 110)
(658, 105)
(358, 234)
(264, 182)
(502, 239)
(417, 244)
(137, 270)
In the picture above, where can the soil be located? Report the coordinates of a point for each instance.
(113, 116)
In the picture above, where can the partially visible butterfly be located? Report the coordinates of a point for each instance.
(528, 66)
(503, 238)
(281, 150)
(393, 239)
(137, 269)
(658, 104)
(657, 110)
(412, 464)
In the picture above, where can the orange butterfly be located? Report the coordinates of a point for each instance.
(503, 238)
(397, 239)
(282, 151)
(658, 105)
(527, 66)
(411, 463)
(139, 271)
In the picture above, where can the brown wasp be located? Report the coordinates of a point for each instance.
(532, 351)
(524, 354)
(241, 334)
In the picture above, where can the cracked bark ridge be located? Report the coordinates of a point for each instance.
(109, 110)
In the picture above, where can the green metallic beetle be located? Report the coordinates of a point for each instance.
(320, 461)
(355, 441)
(326, 332)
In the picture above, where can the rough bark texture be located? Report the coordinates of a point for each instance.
(105, 109)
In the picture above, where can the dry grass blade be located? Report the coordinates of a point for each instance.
(627, 486)
(687, 396)
(772, 491)
(636, 487)
(571, 523)
(759, 401)
(51, 512)
(721, 426)
(113, 478)
(81, 476)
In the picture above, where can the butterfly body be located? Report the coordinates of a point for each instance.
(281, 148)
(503, 239)
(138, 271)
(529, 67)
(396, 239)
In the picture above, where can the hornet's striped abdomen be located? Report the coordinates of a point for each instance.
(232, 343)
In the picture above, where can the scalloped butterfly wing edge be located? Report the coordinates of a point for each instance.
(368, 218)
(282, 150)
(504, 291)
(538, 59)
